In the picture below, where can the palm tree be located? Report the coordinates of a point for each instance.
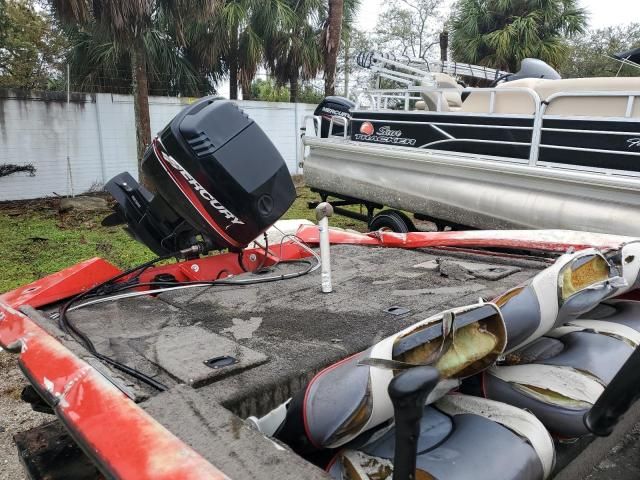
(127, 24)
(294, 53)
(338, 26)
(349, 13)
(331, 43)
(267, 17)
(240, 27)
(500, 33)
(97, 64)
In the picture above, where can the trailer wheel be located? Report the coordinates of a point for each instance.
(391, 221)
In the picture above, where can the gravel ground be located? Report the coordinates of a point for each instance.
(15, 416)
(623, 460)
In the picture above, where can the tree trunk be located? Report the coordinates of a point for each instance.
(141, 103)
(293, 88)
(332, 45)
(247, 94)
(444, 45)
(347, 44)
(233, 65)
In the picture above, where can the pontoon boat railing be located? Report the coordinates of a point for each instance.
(380, 100)
(317, 122)
(542, 115)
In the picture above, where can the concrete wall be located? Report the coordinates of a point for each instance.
(83, 143)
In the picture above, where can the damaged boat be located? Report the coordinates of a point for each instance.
(480, 354)
(530, 151)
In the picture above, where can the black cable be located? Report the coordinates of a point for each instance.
(224, 281)
(240, 253)
(264, 258)
(66, 325)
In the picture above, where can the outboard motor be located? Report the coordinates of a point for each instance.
(220, 183)
(333, 106)
(534, 68)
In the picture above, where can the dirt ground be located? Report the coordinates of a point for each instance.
(15, 416)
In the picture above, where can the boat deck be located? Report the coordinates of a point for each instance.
(280, 334)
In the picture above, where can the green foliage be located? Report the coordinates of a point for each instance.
(167, 38)
(269, 91)
(589, 53)
(31, 47)
(500, 33)
(310, 94)
(240, 29)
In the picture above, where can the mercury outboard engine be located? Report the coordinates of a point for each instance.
(220, 183)
(333, 106)
(534, 68)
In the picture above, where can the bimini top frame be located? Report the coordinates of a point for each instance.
(414, 71)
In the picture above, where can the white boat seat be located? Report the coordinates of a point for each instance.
(451, 100)
(420, 105)
(518, 102)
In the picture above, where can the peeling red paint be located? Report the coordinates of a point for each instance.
(543, 240)
(123, 440)
(65, 283)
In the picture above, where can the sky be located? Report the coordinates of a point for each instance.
(603, 13)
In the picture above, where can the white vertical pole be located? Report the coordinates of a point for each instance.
(296, 136)
(323, 211)
(69, 172)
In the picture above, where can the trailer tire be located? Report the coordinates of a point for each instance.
(391, 220)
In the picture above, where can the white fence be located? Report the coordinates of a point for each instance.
(80, 145)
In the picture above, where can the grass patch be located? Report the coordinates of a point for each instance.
(36, 240)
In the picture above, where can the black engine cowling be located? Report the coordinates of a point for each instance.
(219, 182)
(333, 106)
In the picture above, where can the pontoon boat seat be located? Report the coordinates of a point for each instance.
(457, 438)
(451, 98)
(560, 376)
(509, 100)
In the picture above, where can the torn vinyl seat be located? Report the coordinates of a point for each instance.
(560, 376)
(350, 397)
(573, 285)
(459, 436)
(622, 312)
